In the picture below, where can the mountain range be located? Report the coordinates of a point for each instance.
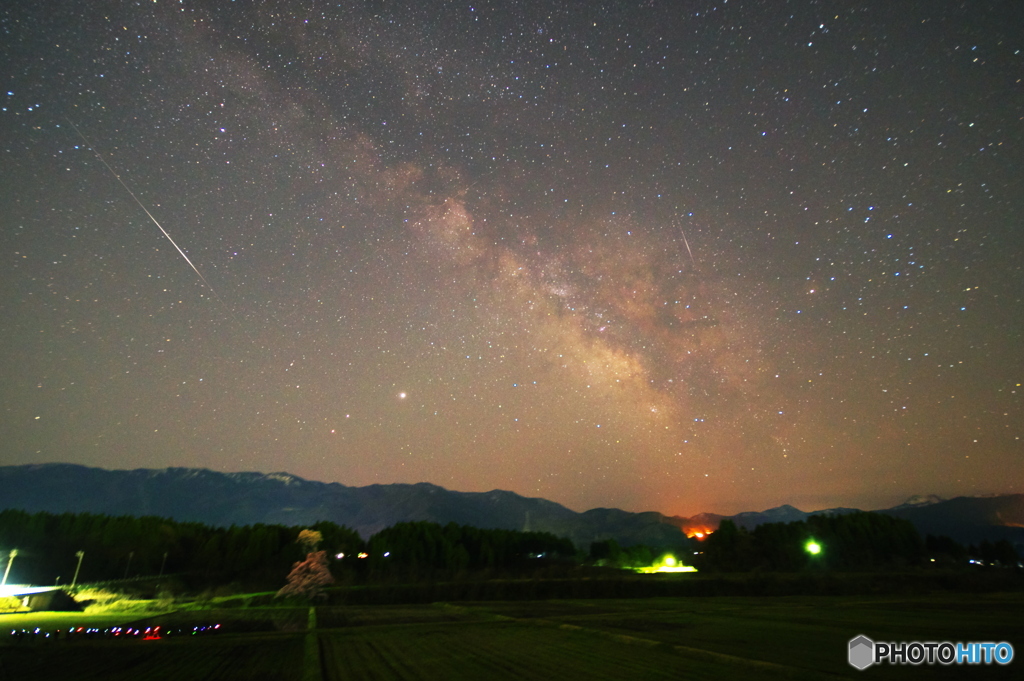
(222, 499)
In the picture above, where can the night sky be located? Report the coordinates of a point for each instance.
(667, 255)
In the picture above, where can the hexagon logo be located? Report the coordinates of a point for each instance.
(862, 652)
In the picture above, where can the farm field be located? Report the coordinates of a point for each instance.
(661, 638)
(799, 637)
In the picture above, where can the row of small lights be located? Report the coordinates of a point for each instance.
(361, 554)
(147, 634)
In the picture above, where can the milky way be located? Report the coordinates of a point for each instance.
(676, 256)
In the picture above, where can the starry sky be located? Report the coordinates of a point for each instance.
(670, 255)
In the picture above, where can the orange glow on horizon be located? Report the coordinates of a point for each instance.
(698, 532)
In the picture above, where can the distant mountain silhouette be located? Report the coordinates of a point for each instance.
(968, 520)
(200, 495)
(917, 501)
(780, 514)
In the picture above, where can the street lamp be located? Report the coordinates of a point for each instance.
(81, 555)
(10, 559)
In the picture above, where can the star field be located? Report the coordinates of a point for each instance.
(675, 256)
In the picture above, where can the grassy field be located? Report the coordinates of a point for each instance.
(802, 637)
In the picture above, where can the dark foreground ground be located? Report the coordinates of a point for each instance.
(802, 637)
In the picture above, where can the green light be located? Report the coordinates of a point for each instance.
(813, 547)
(668, 563)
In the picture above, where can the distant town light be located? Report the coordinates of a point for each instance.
(668, 563)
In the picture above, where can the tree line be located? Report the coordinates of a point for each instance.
(429, 550)
(120, 547)
(259, 556)
(861, 541)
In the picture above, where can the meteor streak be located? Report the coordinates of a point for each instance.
(143, 207)
(687, 247)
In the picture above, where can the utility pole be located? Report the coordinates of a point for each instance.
(162, 564)
(10, 559)
(130, 555)
(81, 555)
